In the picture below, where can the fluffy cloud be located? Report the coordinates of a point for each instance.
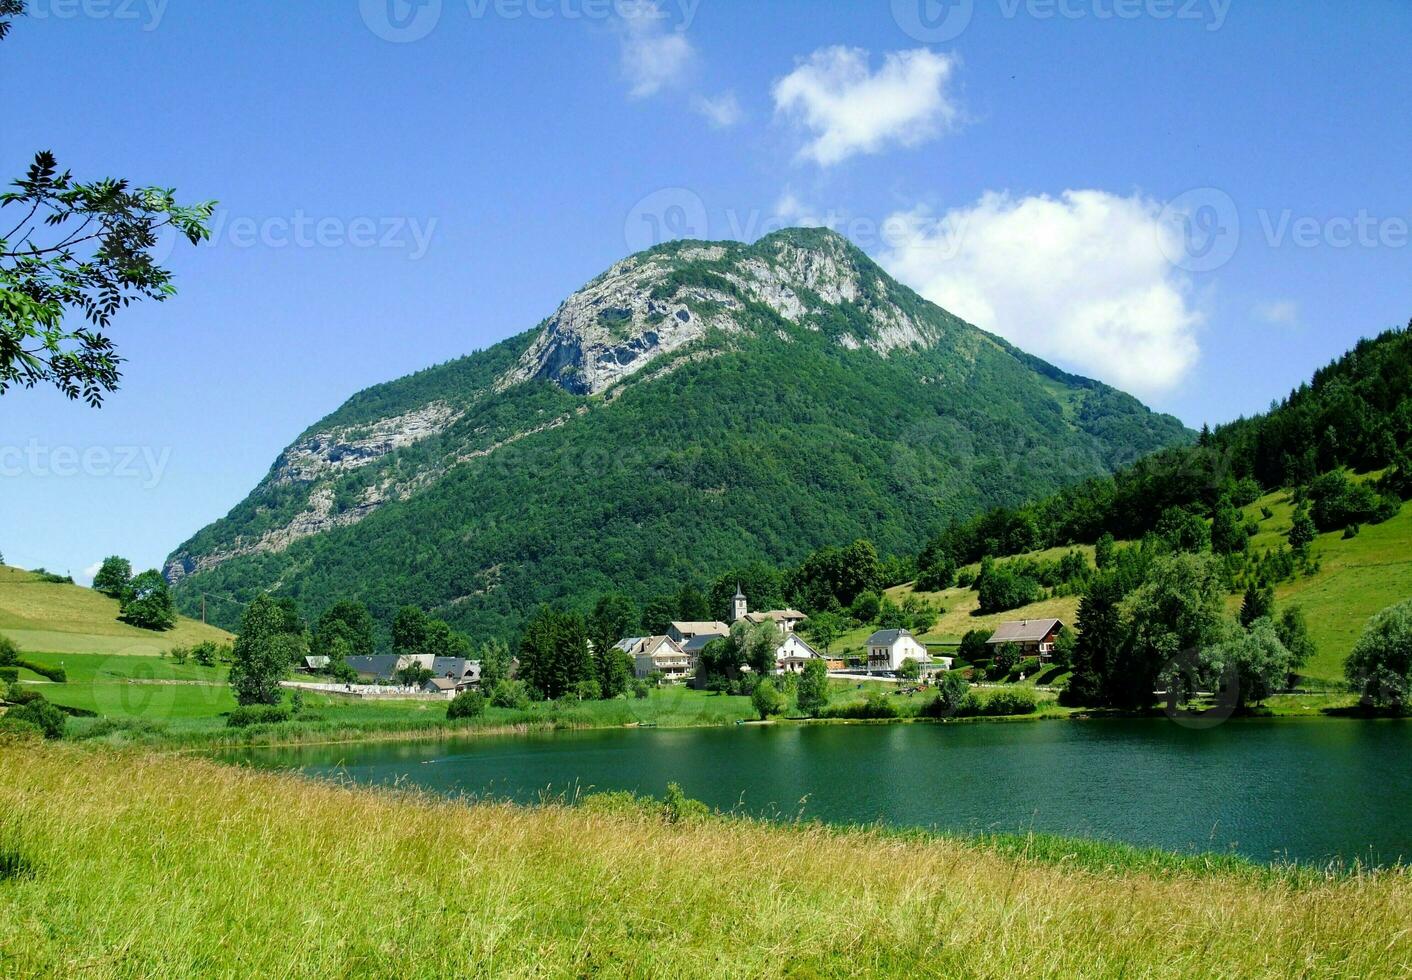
(1279, 313)
(1083, 279)
(722, 112)
(654, 56)
(85, 577)
(851, 110)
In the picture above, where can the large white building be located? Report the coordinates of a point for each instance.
(888, 648)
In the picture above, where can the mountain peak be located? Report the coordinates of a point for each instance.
(671, 297)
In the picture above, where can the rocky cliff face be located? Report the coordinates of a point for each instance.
(660, 301)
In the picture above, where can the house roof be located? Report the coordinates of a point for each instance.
(314, 663)
(687, 628)
(631, 644)
(697, 643)
(443, 683)
(886, 638)
(1024, 631)
(654, 645)
(457, 667)
(378, 665)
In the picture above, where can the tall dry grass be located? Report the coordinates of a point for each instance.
(129, 864)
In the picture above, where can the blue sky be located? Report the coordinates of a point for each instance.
(1198, 200)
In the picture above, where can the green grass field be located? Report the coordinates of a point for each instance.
(47, 617)
(119, 863)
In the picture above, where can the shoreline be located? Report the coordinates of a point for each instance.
(447, 732)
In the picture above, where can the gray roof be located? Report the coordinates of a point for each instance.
(886, 638)
(1024, 631)
(697, 643)
(456, 667)
(378, 665)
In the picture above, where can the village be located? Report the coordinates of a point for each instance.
(888, 655)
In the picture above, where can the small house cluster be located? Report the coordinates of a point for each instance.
(673, 656)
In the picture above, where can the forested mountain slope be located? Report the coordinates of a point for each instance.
(697, 406)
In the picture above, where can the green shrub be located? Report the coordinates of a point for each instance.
(42, 715)
(9, 675)
(1013, 701)
(257, 714)
(9, 653)
(876, 705)
(951, 693)
(12, 726)
(55, 674)
(680, 808)
(467, 704)
(641, 689)
(767, 699)
(510, 694)
(15, 694)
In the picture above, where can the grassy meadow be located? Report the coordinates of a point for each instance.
(50, 617)
(117, 863)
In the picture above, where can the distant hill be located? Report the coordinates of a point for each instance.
(697, 406)
(49, 617)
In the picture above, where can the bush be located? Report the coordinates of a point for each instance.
(589, 690)
(951, 693)
(55, 674)
(257, 714)
(641, 689)
(768, 699)
(42, 715)
(510, 694)
(875, 705)
(9, 675)
(14, 727)
(677, 807)
(1011, 701)
(9, 653)
(467, 704)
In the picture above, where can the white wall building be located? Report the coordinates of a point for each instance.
(888, 648)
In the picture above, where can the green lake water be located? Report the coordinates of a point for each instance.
(1305, 790)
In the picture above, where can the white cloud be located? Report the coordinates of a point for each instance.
(86, 576)
(1279, 313)
(1083, 279)
(792, 212)
(654, 56)
(722, 112)
(851, 110)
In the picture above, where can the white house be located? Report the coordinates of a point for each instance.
(657, 653)
(793, 654)
(888, 648)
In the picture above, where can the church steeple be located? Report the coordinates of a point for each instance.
(739, 607)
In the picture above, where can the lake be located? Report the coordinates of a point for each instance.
(1310, 790)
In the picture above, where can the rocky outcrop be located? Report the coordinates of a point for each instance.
(339, 450)
(658, 302)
